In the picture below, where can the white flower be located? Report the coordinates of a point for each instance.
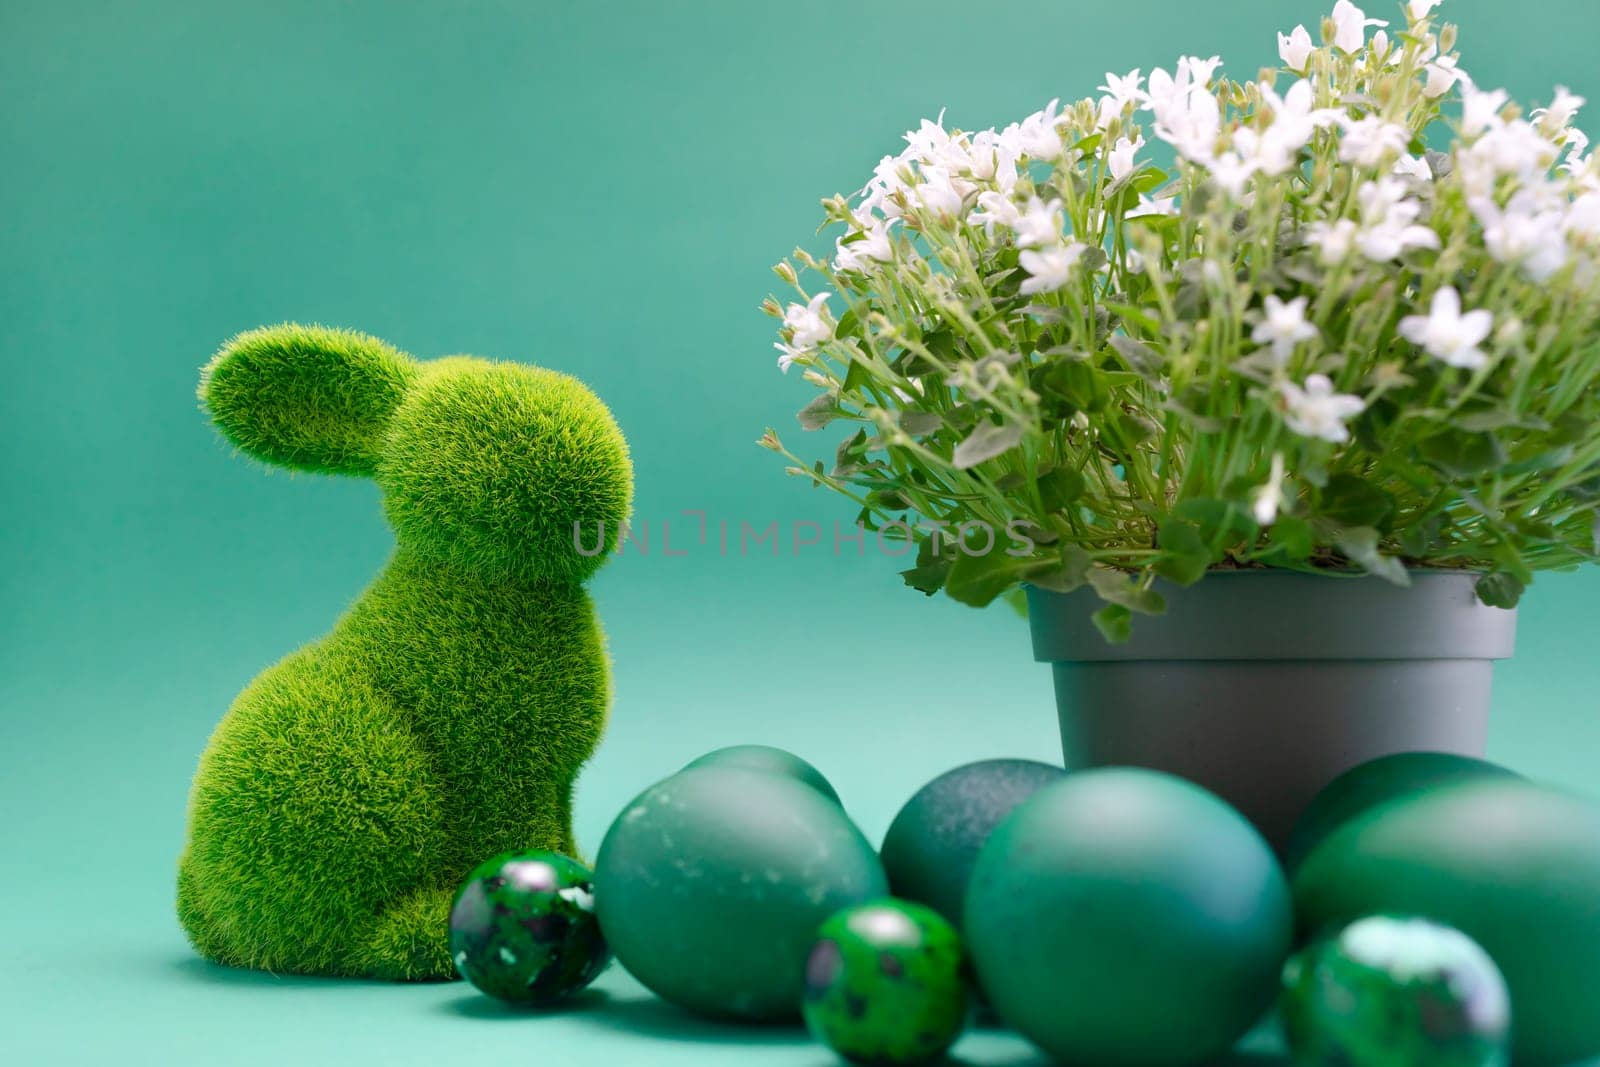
(1120, 92)
(1334, 241)
(1559, 115)
(1231, 170)
(990, 160)
(995, 209)
(1283, 326)
(1038, 136)
(1167, 205)
(1446, 334)
(1418, 9)
(860, 254)
(1294, 120)
(1524, 233)
(1409, 166)
(1187, 116)
(1121, 159)
(1350, 27)
(1442, 75)
(1050, 268)
(1269, 498)
(1388, 221)
(1479, 109)
(1368, 140)
(1039, 223)
(808, 327)
(1295, 49)
(1318, 411)
(937, 194)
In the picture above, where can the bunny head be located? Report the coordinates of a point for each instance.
(487, 466)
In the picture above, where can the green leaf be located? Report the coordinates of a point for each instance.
(1353, 501)
(821, 411)
(1139, 357)
(1463, 455)
(1118, 588)
(848, 325)
(1291, 536)
(920, 423)
(1065, 574)
(927, 578)
(1115, 623)
(1499, 589)
(1222, 524)
(1060, 488)
(985, 442)
(1360, 546)
(1185, 556)
(857, 377)
(977, 580)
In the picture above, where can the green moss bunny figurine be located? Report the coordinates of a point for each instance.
(351, 787)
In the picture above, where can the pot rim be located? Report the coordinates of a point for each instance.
(1285, 615)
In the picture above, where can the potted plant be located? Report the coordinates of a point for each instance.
(1303, 368)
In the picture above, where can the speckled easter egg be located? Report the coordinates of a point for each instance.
(1124, 916)
(523, 928)
(1375, 782)
(1396, 992)
(1513, 865)
(933, 843)
(886, 984)
(771, 761)
(710, 887)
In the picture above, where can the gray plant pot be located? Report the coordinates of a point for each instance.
(1263, 686)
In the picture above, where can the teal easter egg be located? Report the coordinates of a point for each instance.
(933, 843)
(1124, 916)
(1396, 992)
(710, 887)
(523, 929)
(1377, 782)
(886, 984)
(1514, 866)
(768, 760)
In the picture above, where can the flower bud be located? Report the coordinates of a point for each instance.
(785, 271)
(1447, 38)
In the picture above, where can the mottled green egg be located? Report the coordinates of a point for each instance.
(768, 760)
(523, 928)
(1396, 992)
(886, 983)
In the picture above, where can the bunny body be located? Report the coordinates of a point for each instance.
(351, 787)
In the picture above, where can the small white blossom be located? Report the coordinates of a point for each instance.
(1039, 223)
(808, 327)
(1294, 120)
(1367, 141)
(937, 194)
(995, 209)
(1559, 115)
(1334, 241)
(1187, 115)
(1269, 498)
(1121, 158)
(1295, 49)
(1448, 335)
(1038, 136)
(1480, 109)
(1317, 411)
(1350, 27)
(1416, 167)
(1524, 233)
(1388, 221)
(1119, 93)
(1442, 76)
(1283, 326)
(1050, 268)
(860, 254)
(1418, 9)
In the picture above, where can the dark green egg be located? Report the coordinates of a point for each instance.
(1396, 992)
(932, 845)
(711, 885)
(1514, 866)
(1378, 782)
(1123, 917)
(886, 984)
(523, 928)
(769, 760)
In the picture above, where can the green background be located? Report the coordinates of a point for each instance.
(600, 188)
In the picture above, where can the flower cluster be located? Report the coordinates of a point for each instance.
(1340, 316)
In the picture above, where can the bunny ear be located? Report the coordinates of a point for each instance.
(306, 396)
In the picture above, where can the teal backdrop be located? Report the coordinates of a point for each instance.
(600, 188)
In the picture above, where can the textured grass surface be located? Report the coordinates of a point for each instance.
(351, 786)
